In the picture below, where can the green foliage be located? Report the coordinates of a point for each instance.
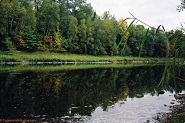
(99, 37)
(177, 39)
(136, 37)
(64, 18)
(7, 45)
(82, 35)
(73, 45)
(72, 26)
(57, 39)
(90, 38)
(10, 19)
(142, 43)
(29, 18)
(183, 50)
(148, 49)
(48, 17)
(160, 45)
(111, 32)
(29, 38)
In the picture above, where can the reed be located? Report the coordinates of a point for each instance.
(143, 41)
(123, 40)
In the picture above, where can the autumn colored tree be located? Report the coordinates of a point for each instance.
(122, 38)
(73, 26)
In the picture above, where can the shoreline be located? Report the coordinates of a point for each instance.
(177, 114)
(80, 62)
(64, 58)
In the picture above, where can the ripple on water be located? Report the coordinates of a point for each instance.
(135, 110)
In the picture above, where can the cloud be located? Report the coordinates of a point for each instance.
(153, 12)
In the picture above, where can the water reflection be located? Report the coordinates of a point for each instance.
(76, 95)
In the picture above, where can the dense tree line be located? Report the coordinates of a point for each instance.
(73, 26)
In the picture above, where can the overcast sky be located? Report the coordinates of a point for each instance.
(152, 12)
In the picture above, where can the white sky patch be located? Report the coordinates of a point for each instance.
(152, 12)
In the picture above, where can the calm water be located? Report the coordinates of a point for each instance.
(106, 95)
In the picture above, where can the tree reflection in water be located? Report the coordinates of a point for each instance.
(73, 95)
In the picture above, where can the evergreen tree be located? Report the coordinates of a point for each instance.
(27, 36)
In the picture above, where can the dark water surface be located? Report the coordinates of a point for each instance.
(101, 95)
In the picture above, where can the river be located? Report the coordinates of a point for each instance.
(96, 95)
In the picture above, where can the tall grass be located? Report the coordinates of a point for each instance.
(175, 67)
(123, 40)
(171, 63)
(142, 43)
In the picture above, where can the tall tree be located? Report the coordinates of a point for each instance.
(112, 30)
(176, 42)
(122, 38)
(48, 17)
(99, 35)
(82, 35)
(85, 12)
(149, 44)
(27, 33)
(160, 42)
(72, 38)
(90, 38)
(48, 20)
(10, 19)
(136, 36)
(65, 15)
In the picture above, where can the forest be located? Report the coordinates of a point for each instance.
(72, 26)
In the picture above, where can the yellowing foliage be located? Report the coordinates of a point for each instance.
(123, 25)
(123, 28)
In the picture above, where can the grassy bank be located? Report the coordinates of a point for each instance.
(40, 68)
(76, 58)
